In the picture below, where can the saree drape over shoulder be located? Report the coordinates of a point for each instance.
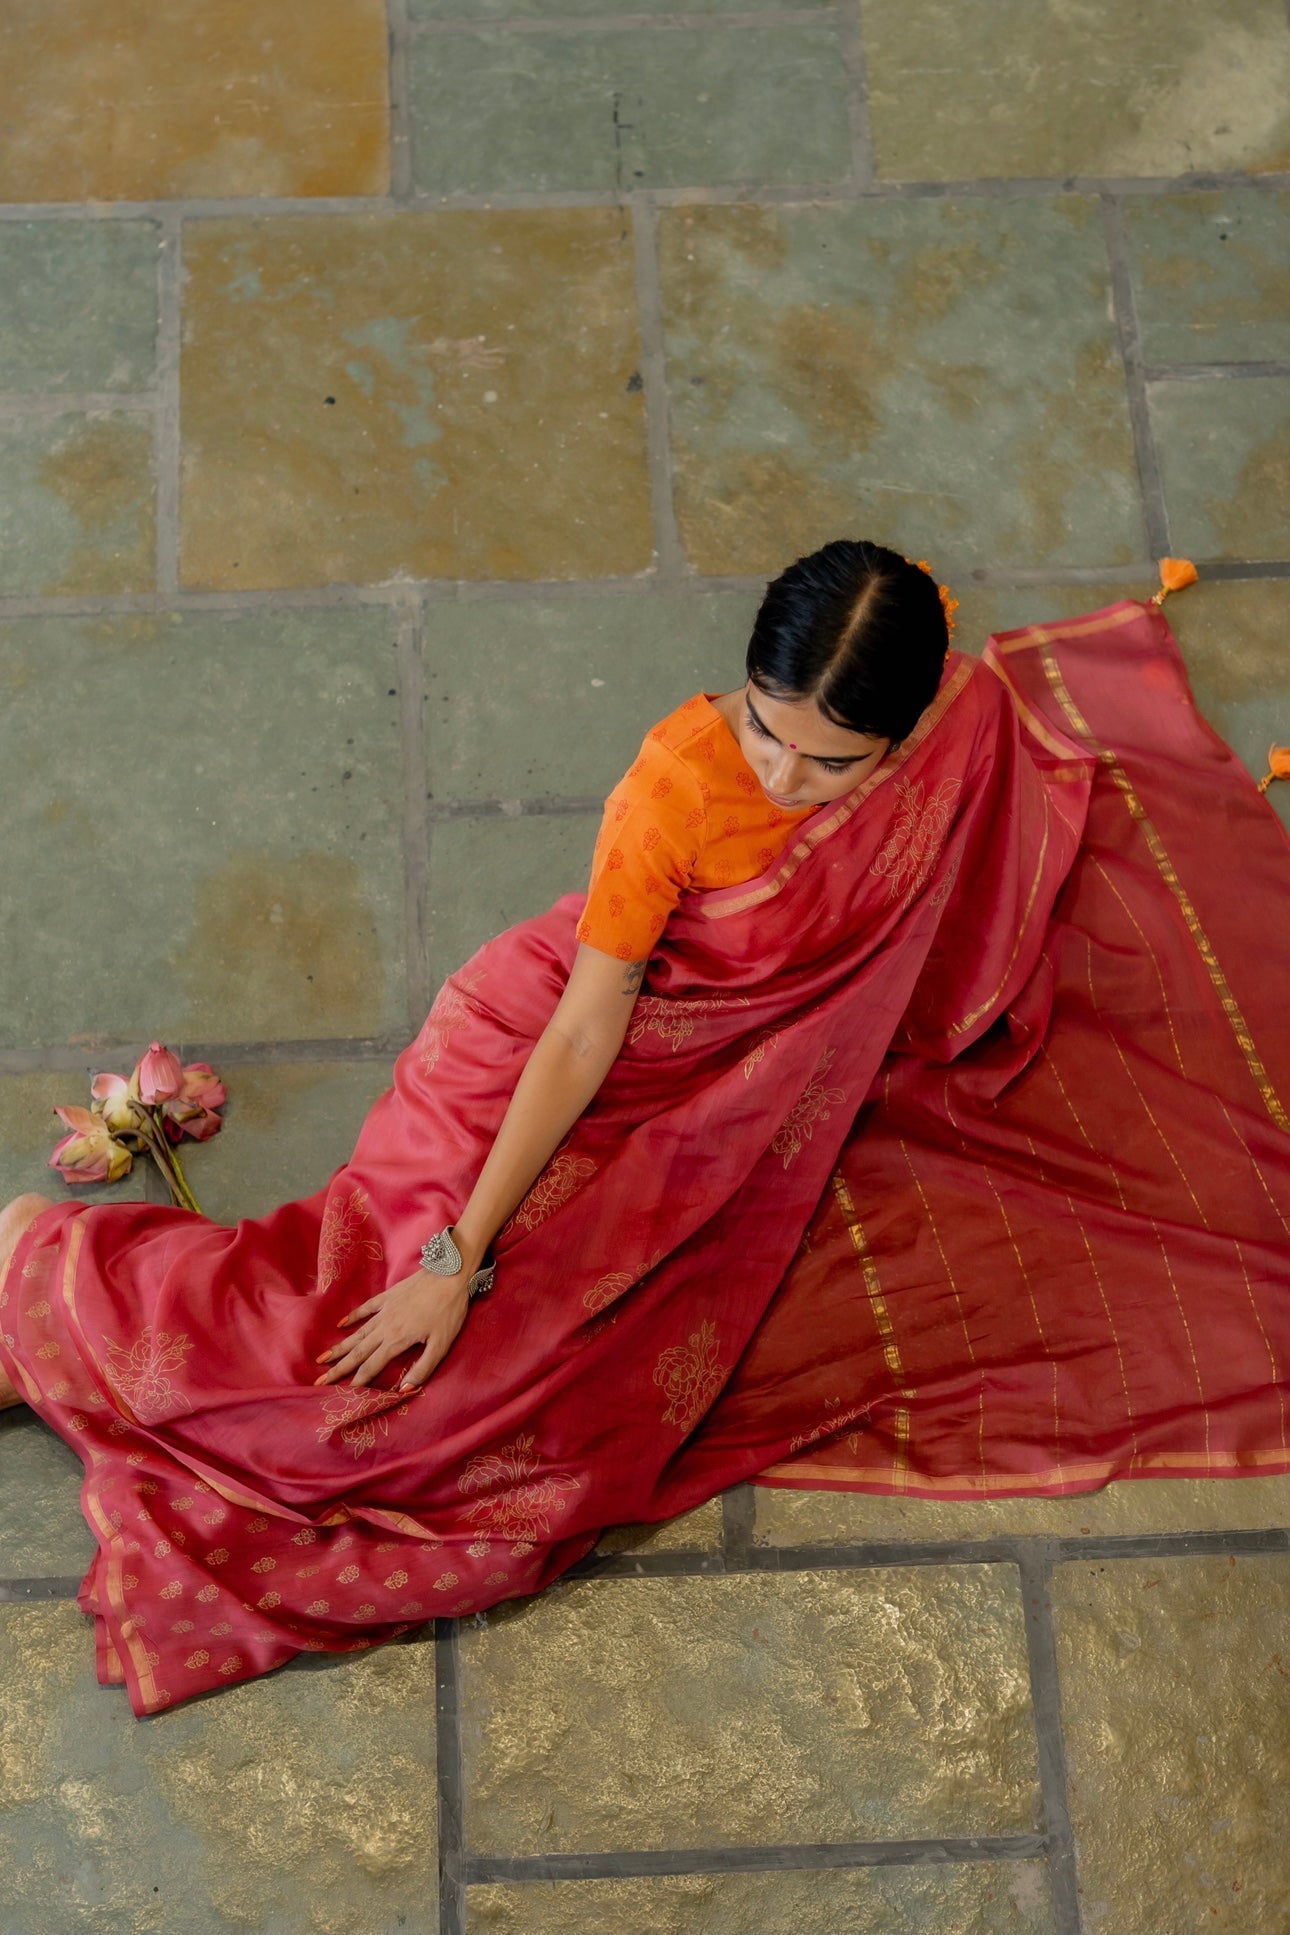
(946, 1156)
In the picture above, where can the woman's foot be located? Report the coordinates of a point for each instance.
(14, 1218)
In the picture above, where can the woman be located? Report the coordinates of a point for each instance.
(318, 1429)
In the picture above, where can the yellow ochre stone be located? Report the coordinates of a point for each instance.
(293, 1801)
(705, 1711)
(1176, 1709)
(426, 394)
(124, 100)
(1130, 1508)
(977, 1898)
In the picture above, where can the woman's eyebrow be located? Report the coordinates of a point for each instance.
(818, 759)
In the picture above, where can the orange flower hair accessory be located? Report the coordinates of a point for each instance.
(949, 603)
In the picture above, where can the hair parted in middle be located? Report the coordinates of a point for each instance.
(857, 628)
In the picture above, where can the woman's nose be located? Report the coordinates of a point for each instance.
(784, 773)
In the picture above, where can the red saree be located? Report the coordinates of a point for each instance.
(910, 1003)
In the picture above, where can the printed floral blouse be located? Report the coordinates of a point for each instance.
(689, 815)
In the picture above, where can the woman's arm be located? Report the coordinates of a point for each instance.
(570, 1060)
(573, 1055)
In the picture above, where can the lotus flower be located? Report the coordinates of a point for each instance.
(91, 1153)
(159, 1075)
(115, 1105)
(192, 1111)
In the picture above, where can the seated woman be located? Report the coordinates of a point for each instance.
(523, 1309)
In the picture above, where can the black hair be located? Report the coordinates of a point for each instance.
(858, 629)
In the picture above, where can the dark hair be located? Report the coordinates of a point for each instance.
(858, 629)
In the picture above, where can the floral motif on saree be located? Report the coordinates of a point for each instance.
(675, 1021)
(450, 1013)
(140, 1373)
(812, 1106)
(345, 1221)
(690, 1375)
(919, 826)
(357, 1415)
(562, 1178)
(523, 1510)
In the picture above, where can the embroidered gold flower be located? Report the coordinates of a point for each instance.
(344, 1235)
(812, 1105)
(919, 825)
(358, 1415)
(523, 1509)
(451, 1012)
(604, 1291)
(675, 1021)
(139, 1374)
(757, 1052)
(562, 1178)
(690, 1376)
(827, 1428)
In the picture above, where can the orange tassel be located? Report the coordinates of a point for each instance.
(1175, 575)
(1278, 766)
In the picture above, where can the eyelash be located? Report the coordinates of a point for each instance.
(823, 764)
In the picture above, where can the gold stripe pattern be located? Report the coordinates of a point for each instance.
(881, 1317)
(1041, 636)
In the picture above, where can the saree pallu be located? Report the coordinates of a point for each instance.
(864, 1202)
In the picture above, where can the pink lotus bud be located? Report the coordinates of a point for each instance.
(202, 1086)
(90, 1154)
(192, 1111)
(115, 1105)
(181, 1118)
(159, 1075)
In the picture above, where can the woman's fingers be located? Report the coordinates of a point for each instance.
(376, 1363)
(416, 1377)
(368, 1309)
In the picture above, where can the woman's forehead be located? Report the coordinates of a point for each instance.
(800, 723)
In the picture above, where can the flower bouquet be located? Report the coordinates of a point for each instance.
(147, 1114)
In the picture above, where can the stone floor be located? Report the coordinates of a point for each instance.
(401, 405)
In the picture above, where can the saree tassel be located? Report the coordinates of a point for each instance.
(1175, 575)
(1278, 766)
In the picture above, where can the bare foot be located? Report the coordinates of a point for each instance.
(14, 1219)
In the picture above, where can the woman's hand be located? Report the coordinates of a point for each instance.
(419, 1310)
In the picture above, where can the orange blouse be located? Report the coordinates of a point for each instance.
(689, 815)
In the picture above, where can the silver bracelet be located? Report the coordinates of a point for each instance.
(443, 1259)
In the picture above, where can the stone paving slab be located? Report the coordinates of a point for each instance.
(977, 1898)
(957, 93)
(700, 1711)
(202, 841)
(940, 375)
(612, 110)
(1175, 1685)
(1128, 1509)
(1233, 640)
(448, 394)
(300, 1804)
(78, 305)
(43, 1534)
(487, 874)
(1225, 460)
(1211, 275)
(696, 1531)
(552, 696)
(543, 10)
(108, 100)
(77, 504)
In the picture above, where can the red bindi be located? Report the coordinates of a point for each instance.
(791, 746)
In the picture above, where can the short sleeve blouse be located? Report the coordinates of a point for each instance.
(688, 814)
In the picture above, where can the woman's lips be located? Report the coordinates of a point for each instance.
(777, 800)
